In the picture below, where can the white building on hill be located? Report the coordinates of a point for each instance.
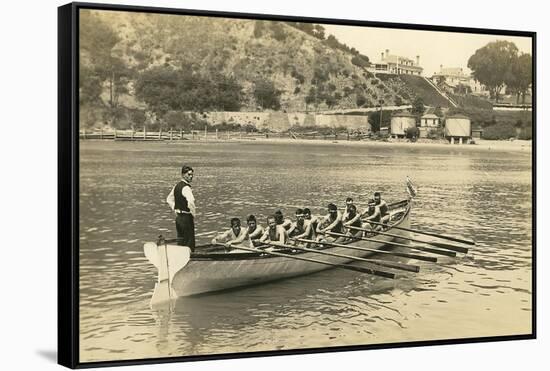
(396, 64)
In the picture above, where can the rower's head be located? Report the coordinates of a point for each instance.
(377, 197)
(251, 221)
(271, 222)
(279, 218)
(299, 214)
(332, 209)
(236, 224)
(187, 173)
(307, 213)
(349, 201)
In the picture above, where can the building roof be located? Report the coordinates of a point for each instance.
(458, 116)
(430, 116)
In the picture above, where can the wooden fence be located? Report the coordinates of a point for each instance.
(178, 135)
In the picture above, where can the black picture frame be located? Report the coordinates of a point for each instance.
(68, 183)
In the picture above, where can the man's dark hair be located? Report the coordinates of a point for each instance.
(271, 217)
(299, 212)
(349, 199)
(307, 211)
(235, 221)
(185, 169)
(377, 193)
(251, 218)
(332, 206)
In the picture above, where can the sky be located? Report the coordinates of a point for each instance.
(435, 48)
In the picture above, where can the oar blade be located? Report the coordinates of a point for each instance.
(460, 249)
(451, 254)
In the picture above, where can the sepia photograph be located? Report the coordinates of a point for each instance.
(254, 184)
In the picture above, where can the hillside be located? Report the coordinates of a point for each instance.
(203, 63)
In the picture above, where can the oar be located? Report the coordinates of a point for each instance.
(419, 248)
(443, 236)
(436, 244)
(394, 265)
(336, 265)
(431, 259)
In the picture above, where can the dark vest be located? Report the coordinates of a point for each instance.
(180, 201)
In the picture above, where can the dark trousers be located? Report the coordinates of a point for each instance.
(185, 228)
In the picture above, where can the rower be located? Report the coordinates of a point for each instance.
(274, 233)
(372, 214)
(383, 206)
(313, 221)
(255, 231)
(353, 219)
(233, 236)
(281, 220)
(332, 222)
(349, 202)
(301, 228)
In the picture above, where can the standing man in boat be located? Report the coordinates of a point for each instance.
(182, 202)
(275, 233)
(383, 206)
(234, 235)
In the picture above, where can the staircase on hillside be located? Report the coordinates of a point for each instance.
(453, 103)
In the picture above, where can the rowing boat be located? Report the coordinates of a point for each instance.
(210, 268)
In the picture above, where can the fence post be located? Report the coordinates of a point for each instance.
(348, 135)
(181, 133)
(84, 133)
(170, 133)
(145, 133)
(216, 133)
(160, 132)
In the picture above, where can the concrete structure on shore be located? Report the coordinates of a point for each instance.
(458, 128)
(400, 123)
(281, 121)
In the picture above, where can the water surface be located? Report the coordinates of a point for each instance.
(481, 194)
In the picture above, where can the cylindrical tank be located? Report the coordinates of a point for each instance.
(458, 126)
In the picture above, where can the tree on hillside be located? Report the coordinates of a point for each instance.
(267, 95)
(418, 107)
(492, 65)
(103, 68)
(521, 76)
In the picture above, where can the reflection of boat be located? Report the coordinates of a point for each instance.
(210, 268)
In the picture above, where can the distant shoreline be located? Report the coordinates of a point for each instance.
(524, 146)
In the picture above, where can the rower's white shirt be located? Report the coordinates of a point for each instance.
(187, 193)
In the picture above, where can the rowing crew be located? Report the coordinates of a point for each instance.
(281, 230)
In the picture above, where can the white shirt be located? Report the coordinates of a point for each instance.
(187, 193)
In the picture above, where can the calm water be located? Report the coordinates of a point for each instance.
(476, 193)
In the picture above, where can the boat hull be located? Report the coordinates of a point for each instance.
(202, 275)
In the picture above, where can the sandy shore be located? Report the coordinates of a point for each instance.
(481, 145)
